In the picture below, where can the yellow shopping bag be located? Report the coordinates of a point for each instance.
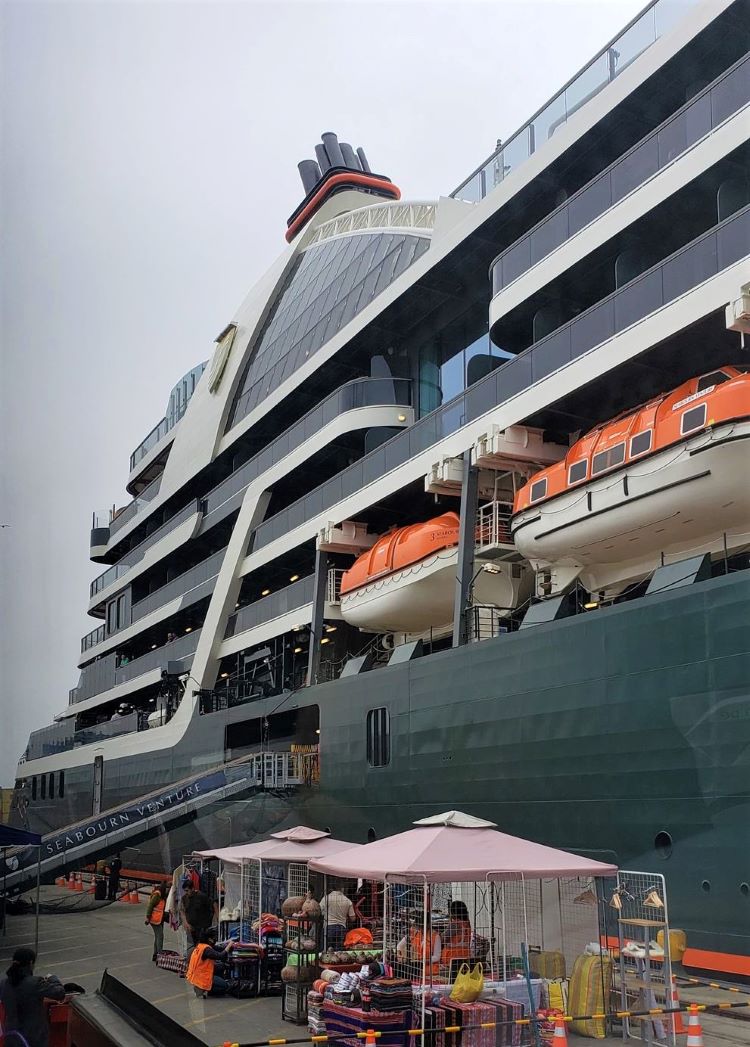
(468, 984)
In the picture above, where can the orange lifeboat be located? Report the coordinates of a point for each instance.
(656, 484)
(406, 582)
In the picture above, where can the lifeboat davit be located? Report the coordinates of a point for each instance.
(657, 484)
(406, 582)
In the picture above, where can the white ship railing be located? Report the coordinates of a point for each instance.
(333, 586)
(493, 525)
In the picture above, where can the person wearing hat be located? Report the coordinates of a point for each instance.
(22, 994)
(196, 910)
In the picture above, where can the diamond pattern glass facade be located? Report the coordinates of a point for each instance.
(326, 288)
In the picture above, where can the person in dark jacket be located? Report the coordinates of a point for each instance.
(22, 994)
(202, 967)
(197, 911)
(115, 868)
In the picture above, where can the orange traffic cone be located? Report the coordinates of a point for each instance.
(71, 884)
(678, 1025)
(370, 1038)
(694, 1030)
(135, 897)
(61, 881)
(560, 1039)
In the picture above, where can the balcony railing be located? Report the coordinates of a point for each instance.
(333, 585)
(183, 585)
(269, 607)
(698, 118)
(493, 525)
(175, 651)
(147, 495)
(608, 64)
(720, 247)
(92, 639)
(136, 554)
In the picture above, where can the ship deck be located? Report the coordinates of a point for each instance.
(78, 946)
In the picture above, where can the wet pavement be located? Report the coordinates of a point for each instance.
(78, 946)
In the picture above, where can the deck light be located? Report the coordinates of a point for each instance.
(224, 676)
(298, 650)
(591, 605)
(331, 628)
(188, 628)
(325, 640)
(266, 592)
(402, 418)
(294, 578)
(491, 568)
(153, 646)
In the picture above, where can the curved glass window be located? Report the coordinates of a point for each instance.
(329, 284)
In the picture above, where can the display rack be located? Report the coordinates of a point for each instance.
(302, 937)
(644, 974)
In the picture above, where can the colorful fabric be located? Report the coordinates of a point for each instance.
(348, 1021)
(590, 980)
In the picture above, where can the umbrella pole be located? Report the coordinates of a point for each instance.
(38, 882)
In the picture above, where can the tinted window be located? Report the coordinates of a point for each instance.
(33, 788)
(608, 459)
(640, 443)
(708, 380)
(43, 778)
(52, 786)
(61, 784)
(538, 490)
(577, 472)
(378, 737)
(693, 419)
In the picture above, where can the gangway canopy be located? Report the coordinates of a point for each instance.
(12, 837)
(454, 848)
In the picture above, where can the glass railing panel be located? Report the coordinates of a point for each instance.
(180, 586)
(175, 651)
(133, 508)
(96, 677)
(729, 94)
(516, 151)
(126, 724)
(92, 639)
(632, 42)
(269, 607)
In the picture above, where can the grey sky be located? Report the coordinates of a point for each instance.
(148, 167)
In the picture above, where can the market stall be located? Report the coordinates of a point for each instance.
(267, 907)
(461, 897)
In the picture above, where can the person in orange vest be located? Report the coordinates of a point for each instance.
(201, 972)
(416, 950)
(156, 914)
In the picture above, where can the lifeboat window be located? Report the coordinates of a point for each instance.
(708, 381)
(538, 490)
(608, 459)
(641, 443)
(693, 419)
(378, 737)
(577, 471)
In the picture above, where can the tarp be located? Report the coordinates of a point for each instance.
(453, 851)
(300, 846)
(10, 837)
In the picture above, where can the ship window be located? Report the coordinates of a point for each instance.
(43, 779)
(538, 490)
(707, 381)
(61, 785)
(608, 459)
(693, 419)
(378, 737)
(640, 443)
(52, 785)
(33, 788)
(577, 472)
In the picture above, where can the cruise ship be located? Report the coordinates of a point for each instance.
(456, 512)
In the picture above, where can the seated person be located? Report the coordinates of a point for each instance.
(416, 949)
(457, 945)
(201, 972)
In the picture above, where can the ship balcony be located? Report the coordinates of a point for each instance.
(99, 536)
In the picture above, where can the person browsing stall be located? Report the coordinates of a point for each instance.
(337, 910)
(22, 994)
(202, 973)
(196, 911)
(156, 912)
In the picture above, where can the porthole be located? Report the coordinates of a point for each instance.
(706, 886)
(663, 844)
(745, 889)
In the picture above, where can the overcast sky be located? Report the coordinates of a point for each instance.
(149, 158)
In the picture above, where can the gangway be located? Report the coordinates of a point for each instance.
(76, 845)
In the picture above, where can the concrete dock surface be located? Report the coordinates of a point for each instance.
(78, 946)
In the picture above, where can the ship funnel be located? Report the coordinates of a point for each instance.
(363, 160)
(322, 155)
(310, 173)
(333, 149)
(350, 157)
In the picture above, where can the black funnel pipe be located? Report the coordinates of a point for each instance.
(322, 156)
(350, 157)
(333, 149)
(363, 160)
(310, 174)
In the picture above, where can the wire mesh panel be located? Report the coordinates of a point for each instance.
(298, 880)
(250, 901)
